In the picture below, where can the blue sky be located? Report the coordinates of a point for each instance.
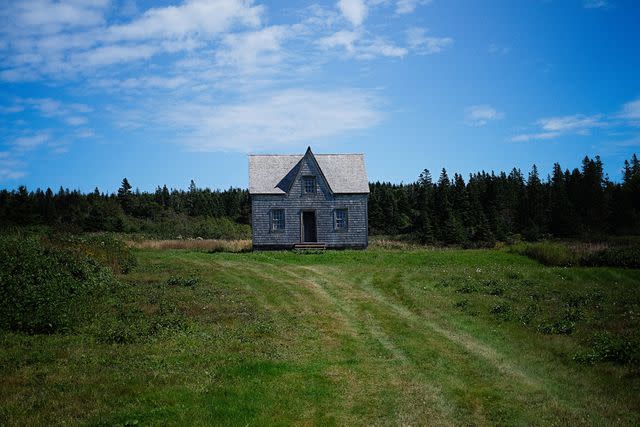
(164, 92)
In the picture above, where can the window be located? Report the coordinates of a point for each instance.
(341, 219)
(277, 219)
(309, 184)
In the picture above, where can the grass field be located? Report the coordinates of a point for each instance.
(376, 337)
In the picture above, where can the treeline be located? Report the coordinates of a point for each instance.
(489, 207)
(485, 208)
(164, 213)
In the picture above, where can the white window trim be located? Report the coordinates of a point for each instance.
(304, 184)
(346, 219)
(272, 222)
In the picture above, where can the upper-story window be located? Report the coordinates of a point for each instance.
(309, 184)
(277, 219)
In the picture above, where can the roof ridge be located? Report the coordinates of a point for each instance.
(300, 155)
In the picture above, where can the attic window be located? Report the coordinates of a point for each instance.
(309, 184)
(277, 219)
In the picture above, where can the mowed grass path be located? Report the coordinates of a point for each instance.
(373, 337)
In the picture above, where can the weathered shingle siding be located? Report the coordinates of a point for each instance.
(323, 202)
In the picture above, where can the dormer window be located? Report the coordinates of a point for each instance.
(309, 184)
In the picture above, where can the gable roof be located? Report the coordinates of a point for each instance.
(273, 174)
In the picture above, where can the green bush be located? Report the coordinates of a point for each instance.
(606, 347)
(558, 327)
(501, 311)
(627, 257)
(44, 289)
(106, 249)
(181, 281)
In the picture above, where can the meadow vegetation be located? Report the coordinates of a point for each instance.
(393, 335)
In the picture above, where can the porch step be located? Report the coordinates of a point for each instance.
(310, 246)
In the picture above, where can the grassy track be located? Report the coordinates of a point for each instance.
(378, 337)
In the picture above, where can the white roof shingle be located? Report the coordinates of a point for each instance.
(345, 173)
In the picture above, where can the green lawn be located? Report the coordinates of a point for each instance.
(376, 337)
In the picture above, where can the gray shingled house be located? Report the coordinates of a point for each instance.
(309, 200)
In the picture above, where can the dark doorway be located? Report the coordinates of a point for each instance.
(309, 226)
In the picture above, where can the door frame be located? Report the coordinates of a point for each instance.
(315, 221)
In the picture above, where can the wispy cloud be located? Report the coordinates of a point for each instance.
(581, 124)
(480, 115)
(631, 110)
(273, 119)
(596, 4)
(578, 123)
(497, 49)
(534, 136)
(408, 6)
(419, 41)
(27, 143)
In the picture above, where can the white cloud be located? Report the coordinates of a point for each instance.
(27, 143)
(495, 49)
(253, 49)
(107, 55)
(576, 122)
(408, 6)
(419, 42)
(203, 17)
(595, 4)
(11, 109)
(380, 47)
(533, 136)
(553, 127)
(76, 120)
(631, 110)
(355, 11)
(51, 16)
(273, 120)
(357, 45)
(342, 38)
(480, 115)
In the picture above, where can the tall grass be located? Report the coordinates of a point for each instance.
(208, 245)
(571, 254)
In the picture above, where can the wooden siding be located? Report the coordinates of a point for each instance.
(323, 202)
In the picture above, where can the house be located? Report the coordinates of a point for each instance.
(309, 200)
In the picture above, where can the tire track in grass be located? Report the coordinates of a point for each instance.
(536, 389)
(431, 402)
(463, 340)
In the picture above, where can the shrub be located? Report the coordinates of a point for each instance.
(606, 347)
(627, 257)
(501, 311)
(527, 315)
(106, 249)
(44, 289)
(558, 327)
(181, 281)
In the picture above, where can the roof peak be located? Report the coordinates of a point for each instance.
(300, 155)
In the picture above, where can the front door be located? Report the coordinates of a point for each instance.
(309, 226)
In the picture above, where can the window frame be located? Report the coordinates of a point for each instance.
(312, 178)
(345, 227)
(273, 219)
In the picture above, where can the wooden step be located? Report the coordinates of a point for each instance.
(314, 246)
